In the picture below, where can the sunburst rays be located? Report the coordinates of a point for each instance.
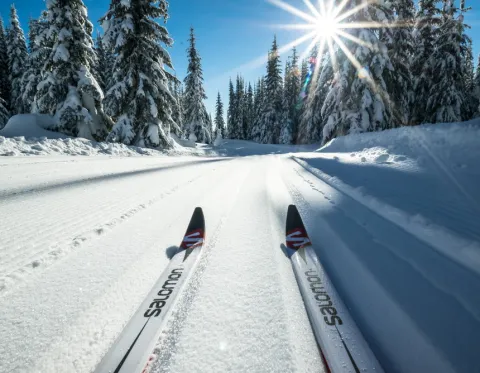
(330, 25)
(326, 24)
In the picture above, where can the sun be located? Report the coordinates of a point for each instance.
(326, 26)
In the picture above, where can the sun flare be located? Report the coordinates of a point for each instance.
(326, 26)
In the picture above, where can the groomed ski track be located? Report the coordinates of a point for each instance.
(82, 246)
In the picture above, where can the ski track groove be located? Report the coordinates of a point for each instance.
(168, 341)
(31, 254)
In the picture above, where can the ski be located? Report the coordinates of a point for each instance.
(341, 343)
(132, 351)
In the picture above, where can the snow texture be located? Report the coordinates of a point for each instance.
(392, 215)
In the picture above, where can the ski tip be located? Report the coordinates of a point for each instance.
(195, 234)
(296, 234)
(294, 220)
(197, 221)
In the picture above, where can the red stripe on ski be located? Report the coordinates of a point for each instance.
(193, 239)
(297, 239)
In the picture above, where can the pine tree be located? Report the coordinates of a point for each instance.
(312, 120)
(400, 49)
(309, 117)
(471, 103)
(39, 52)
(4, 113)
(5, 86)
(17, 58)
(219, 121)
(426, 35)
(238, 127)
(177, 109)
(272, 114)
(257, 131)
(250, 114)
(195, 113)
(447, 99)
(68, 89)
(231, 110)
(290, 103)
(139, 99)
(358, 100)
(476, 85)
(104, 64)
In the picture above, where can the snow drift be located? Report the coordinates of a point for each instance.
(30, 134)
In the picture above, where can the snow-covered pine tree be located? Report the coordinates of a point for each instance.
(400, 46)
(211, 130)
(303, 70)
(139, 99)
(219, 121)
(104, 64)
(17, 59)
(68, 90)
(195, 113)
(4, 113)
(5, 86)
(425, 39)
(177, 111)
(471, 103)
(290, 103)
(257, 129)
(447, 99)
(231, 110)
(309, 82)
(311, 121)
(249, 116)
(239, 110)
(358, 100)
(476, 85)
(39, 52)
(286, 127)
(272, 114)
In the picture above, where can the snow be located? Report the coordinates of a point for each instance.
(28, 135)
(393, 217)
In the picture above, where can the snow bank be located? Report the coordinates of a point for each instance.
(31, 126)
(28, 134)
(456, 143)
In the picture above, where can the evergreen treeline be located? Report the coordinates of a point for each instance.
(419, 71)
(120, 87)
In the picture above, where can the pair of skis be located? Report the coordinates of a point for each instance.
(342, 345)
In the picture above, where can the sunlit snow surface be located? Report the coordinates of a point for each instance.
(393, 217)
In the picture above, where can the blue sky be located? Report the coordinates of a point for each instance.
(230, 34)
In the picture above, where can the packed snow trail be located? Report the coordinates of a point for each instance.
(84, 240)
